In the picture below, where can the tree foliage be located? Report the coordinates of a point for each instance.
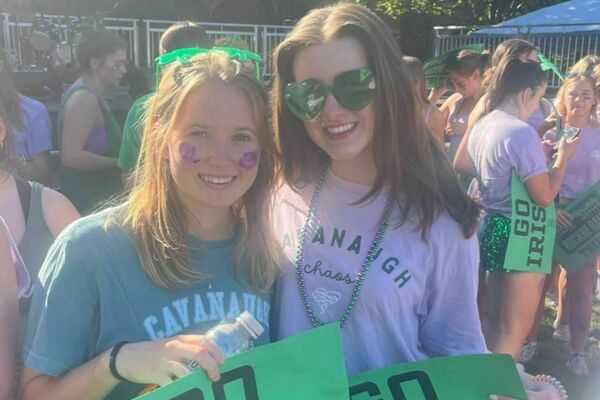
(481, 12)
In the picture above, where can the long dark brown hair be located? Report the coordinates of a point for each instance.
(97, 44)
(511, 48)
(409, 159)
(512, 76)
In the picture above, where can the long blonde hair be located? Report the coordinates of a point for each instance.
(156, 215)
(409, 159)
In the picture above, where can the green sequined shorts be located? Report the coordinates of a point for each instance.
(493, 241)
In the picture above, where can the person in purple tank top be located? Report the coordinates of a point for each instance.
(466, 71)
(89, 133)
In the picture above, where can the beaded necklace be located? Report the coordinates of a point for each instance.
(382, 228)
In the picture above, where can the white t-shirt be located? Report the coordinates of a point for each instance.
(418, 300)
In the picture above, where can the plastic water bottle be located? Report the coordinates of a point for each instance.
(233, 337)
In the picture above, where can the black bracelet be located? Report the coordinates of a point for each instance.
(112, 363)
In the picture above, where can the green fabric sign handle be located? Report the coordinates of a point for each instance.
(532, 232)
(306, 366)
(461, 377)
(579, 244)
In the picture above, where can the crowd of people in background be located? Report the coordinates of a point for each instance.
(346, 193)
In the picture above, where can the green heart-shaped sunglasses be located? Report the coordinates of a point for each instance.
(353, 89)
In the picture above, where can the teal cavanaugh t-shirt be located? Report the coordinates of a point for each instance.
(93, 294)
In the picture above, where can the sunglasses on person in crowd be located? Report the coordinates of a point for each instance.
(353, 89)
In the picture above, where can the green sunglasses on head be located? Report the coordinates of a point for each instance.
(353, 89)
(184, 56)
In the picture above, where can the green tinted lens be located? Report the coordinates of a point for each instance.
(305, 99)
(354, 89)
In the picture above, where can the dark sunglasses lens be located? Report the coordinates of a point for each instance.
(305, 99)
(354, 89)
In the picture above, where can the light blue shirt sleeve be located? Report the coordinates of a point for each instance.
(37, 135)
(63, 315)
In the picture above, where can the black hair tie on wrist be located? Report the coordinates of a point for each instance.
(112, 363)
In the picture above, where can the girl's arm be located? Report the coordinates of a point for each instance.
(462, 161)
(437, 124)
(58, 211)
(151, 362)
(544, 188)
(8, 317)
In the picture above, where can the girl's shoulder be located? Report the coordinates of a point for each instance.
(297, 194)
(30, 106)
(452, 101)
(594, 126)
(92, 233)
(81, 99)
(446, 229)
(57, 209)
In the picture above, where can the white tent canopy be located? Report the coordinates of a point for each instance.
(568, 15)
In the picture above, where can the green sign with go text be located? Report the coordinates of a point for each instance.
(460, 377)
(532, 232)
(307, 366)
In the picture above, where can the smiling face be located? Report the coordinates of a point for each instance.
(213, 147)
(345, 135)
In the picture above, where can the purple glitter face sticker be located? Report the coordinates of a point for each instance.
(249, 160)
(188, 153)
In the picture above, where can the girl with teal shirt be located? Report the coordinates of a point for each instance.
(126, 294)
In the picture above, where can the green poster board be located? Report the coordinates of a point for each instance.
(532, 232)
(579, 244)
(461, 377)
(307, 366)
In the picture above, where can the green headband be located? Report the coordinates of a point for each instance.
(184, 56)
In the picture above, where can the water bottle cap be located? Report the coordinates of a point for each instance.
(253, 326)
